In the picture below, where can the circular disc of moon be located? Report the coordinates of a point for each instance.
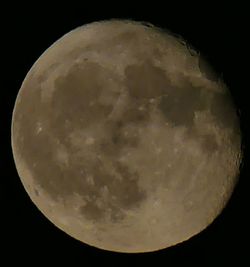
(125, 138)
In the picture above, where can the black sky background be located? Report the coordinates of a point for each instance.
(218, 32)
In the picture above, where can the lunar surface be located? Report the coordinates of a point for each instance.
(125, 138)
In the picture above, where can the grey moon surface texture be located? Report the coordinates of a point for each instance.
(125, 138)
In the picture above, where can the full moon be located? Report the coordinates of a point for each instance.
(125, 138)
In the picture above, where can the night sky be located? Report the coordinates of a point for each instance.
(218, 32)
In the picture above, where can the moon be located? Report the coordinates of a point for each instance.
(125, 138)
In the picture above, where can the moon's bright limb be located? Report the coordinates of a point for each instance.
(124, 139)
